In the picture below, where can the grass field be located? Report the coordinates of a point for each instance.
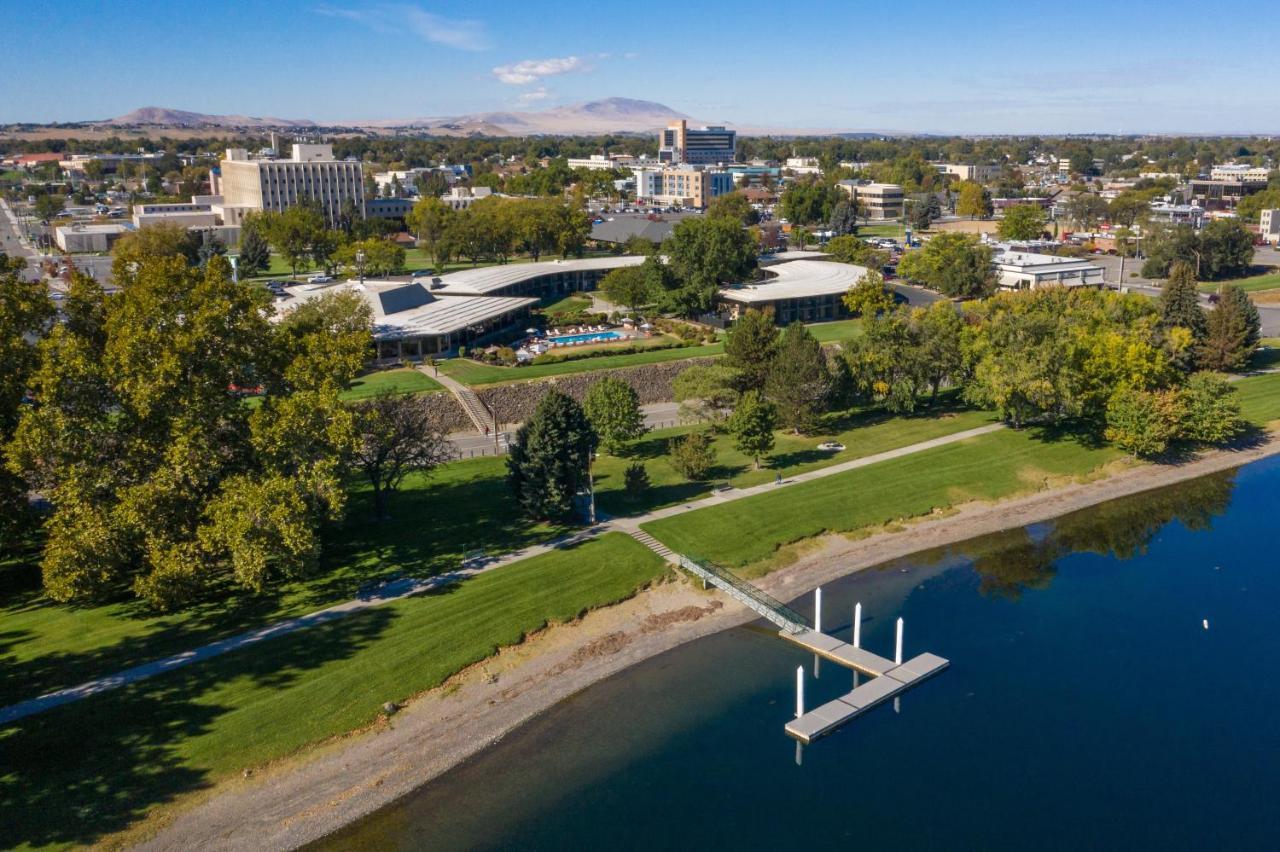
(884, 229)
(77, 772)
(1260, 398)
(414, 259)
(862, 433)
(399, 380)
(836, 331)
(568, 305)
(1269, 281)
(45, 646)
(990, 466)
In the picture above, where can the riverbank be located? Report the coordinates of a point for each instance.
(300, 800)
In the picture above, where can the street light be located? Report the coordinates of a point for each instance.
(360, 264)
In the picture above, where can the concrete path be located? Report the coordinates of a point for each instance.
(398, 589)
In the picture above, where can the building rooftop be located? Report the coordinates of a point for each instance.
(109, 228)
(409, 309)
(798, 279)
(1028, 260)
(486, 279)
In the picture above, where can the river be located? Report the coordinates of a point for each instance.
(1087, 707)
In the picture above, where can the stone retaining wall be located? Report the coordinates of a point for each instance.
(514, 403)
(447, 414)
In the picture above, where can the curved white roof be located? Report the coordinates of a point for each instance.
(798, 279)
(486, 279)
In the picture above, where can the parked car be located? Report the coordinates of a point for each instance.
(422, 273)
(320, 279)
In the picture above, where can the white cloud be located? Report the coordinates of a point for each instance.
(533, 95)
(522, 73)
(404, 18)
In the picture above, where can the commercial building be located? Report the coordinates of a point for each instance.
(755, 174)
(967, 171)
(648, 182)
(600, 162)
(1178, 214)
(1244, 173)
(311, 173)
(87, 238)
(679, 143)
(693, 187)
(1017, 270)
(798, 290)
(462, 197)
(404, 182)
(880, 201)
(545, 278)
(110, 162)
(1222, 194)
(804, 165)
(1269, 226)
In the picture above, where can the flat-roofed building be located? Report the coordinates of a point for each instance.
(1241, 172)
(880, 201)
(311, 173)
(798, 290)
(1222, 194)
(690, 187)
(679, 143)
(1269, 226)
(1019, 270)
(969, 171)
(89, 238)
(545, 278)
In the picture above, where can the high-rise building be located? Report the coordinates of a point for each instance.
(697, 147)
(275, 185)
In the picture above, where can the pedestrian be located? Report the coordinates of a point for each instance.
(778, 480)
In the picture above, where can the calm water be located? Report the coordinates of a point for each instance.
(1086, 708)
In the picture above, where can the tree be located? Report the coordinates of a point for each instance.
(809, 202)
(1086, 210)
(430, 220)
(1142, 422)
(750, 345)
(49, 206)
(705, 254)
(798, 378)
(255, 253)
(299, 235)
(1022, 222)
(707, 392)
(1221, 249)
(398, 436)
(735, 206)
(869, 296)
(211, 247)
(635, 478)
(954, 264)
(851, 249)
(1210, 409)
(1231, 333)
(1180, 303)
(549, 461)
(627, 286)
(381, 258)
(692, 456)
(923, 212)
(973, 201)
(844, 218)
(613, 408)
(752, 424)
(1128, 208)
(157, 241)
(941, 345)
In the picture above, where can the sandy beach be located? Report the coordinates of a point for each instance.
(304, 798)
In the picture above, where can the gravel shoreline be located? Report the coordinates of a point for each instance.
(305, 798)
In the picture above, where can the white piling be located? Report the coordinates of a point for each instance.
(799, 691)
(857, 625)
(817, 610)
(897, 648)
(897, 708)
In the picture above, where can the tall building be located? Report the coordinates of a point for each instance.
(310, 173)
(879, 200)
(697, 147)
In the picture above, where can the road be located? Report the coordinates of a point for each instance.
(12, 244)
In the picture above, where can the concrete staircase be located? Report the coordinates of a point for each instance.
(477, 412)
(656, 546)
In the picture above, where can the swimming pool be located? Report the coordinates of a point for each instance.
(589, 337)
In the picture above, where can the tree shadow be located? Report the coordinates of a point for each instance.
(86, 769)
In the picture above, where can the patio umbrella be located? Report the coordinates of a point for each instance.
(530, 331)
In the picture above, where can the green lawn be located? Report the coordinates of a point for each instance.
(862, 433)
(990, 466)
(1269, 281)
(883, 229)
(568, 305)
(1260, 398)
(399, 380)
(472, 373)
(464, 505)
(836, 331)
(77, 772)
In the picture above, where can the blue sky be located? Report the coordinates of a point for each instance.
(935, 66)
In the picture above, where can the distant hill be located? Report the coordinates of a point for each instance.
(611, 115)
(164, 117)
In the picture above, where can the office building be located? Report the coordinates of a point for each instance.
(687, 187)
(966, 171)
(1243, 173)
(804, 165)
(708, 146)
(273, 184)
(796, 291)
(1269, 226)
(1017, 270)
(879, 201)
(1222, 194)
(83, 238)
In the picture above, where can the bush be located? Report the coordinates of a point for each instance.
(692, 455)
(630, 349)
(636, 478)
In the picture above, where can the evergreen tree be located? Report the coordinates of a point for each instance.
(613, 408)
(255, 254)
(550, 458)
(1230, 336)
(1180, 302)
(752, 424)
(799, 380)
(844, 219)
(1248, 310)
(693, 456)
(750, 346)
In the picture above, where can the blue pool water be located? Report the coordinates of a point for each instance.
(1087, 707)
(589, 337)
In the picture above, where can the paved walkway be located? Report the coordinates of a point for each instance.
(403, 588)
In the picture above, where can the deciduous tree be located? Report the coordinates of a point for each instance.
(613, 408)
(398, 436)
(752, 424)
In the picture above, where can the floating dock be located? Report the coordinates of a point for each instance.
(889, 678)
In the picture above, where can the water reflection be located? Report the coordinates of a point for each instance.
(1011, 562)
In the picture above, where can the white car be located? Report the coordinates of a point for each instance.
(320, 279)
(831, 446)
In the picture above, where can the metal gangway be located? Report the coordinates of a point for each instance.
(746, 594)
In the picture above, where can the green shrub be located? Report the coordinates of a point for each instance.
(692, 455)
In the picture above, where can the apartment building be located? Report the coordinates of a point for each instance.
(968, 171)
(275, 184)
(680, 144)
(1243, 173)
(880, 201)
(692, 187)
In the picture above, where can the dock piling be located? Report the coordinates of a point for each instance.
(799, 691)
(857, 625)
(897, 649)
(817, 610)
